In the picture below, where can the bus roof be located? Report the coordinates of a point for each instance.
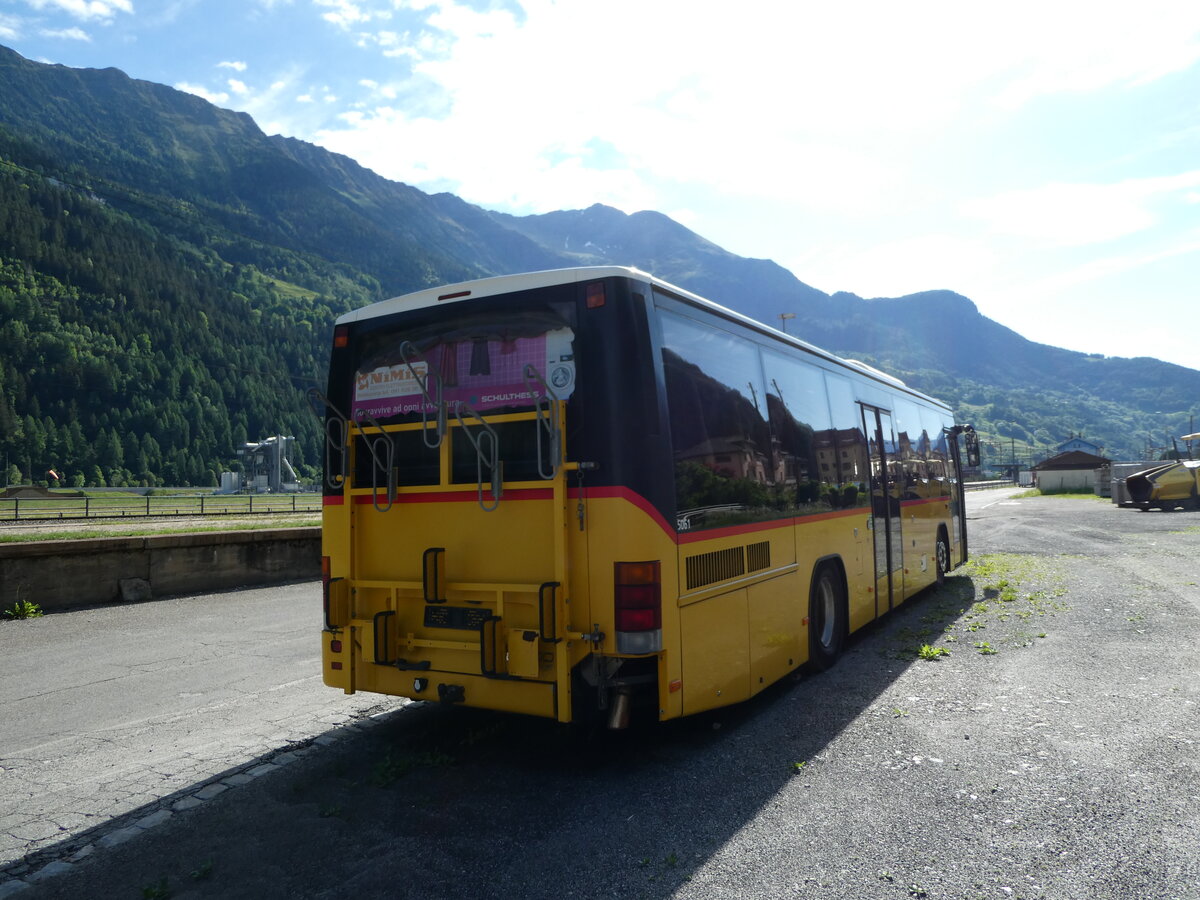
(507, 284)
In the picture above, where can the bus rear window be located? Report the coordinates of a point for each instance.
(496, 365)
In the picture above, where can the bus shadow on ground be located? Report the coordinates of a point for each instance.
(434, 801)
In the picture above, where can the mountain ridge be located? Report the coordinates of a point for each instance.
(131, 210)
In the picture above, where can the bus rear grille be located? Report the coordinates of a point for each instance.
(709, 568)
(758, 556)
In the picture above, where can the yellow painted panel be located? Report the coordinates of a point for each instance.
(335, 537)
(716, 653)
(524, 649)
(514, 543)
(778, 635)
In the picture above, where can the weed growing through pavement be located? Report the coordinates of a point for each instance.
(1001, 590)
(394, 766)
(1004, 580)
(23, 609)
(161, 890)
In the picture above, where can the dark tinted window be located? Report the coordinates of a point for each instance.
(726, 471)
(843, 450)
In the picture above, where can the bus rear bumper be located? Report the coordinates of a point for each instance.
(534, 698)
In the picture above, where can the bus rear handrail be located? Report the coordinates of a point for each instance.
(547, 420)
(407, 349)
(489, 457)
(388, 463)
(334, 480)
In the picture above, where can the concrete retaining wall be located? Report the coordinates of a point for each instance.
(63, 574)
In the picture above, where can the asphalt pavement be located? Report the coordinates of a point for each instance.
(1029, 730)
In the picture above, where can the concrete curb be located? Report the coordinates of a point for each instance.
(60, 575)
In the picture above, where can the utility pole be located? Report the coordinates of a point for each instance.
(783, 317)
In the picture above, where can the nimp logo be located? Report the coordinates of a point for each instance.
(389, 381)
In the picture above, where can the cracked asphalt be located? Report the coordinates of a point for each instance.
(1027, 731)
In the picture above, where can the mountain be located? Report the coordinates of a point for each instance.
(1013, 389)
(169, 275)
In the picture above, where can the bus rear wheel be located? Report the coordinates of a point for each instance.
(826, 618)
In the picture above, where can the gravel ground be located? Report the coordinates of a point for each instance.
(1050, 753)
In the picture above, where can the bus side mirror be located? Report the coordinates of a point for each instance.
(972, 449)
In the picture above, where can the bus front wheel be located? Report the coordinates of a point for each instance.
(826, 617)
(942, 556)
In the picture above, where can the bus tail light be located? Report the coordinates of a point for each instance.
(335, 597)
(595, 295)
(341, 336)
(638, 606)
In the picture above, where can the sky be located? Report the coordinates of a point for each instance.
(1041, 158)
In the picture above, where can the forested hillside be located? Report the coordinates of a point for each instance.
(169, 276)
(131, 357)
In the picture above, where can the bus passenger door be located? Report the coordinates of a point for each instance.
(885, 509)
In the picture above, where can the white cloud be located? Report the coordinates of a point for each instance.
(236, 66)
(1077, 214)
(1066, 47)
(1103, 267)
(86, 9)
(905, 266)
(219, 98)
(347, 13)
(238, 87)
(787, 102)
(10, 28)
(67, 34)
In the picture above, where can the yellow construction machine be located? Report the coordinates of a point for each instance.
(1171, 484)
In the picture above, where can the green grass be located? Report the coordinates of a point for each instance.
(85, 533)
(121, 505)
(1061, 492)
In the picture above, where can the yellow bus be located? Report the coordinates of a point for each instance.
(588, 494)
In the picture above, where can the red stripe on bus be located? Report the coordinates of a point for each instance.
(692, 537)
(333, 500)
(624, 493)
(923, 501)
(470, 496)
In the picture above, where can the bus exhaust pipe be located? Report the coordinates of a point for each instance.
(618, 716)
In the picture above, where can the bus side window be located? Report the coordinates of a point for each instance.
(850, 479)
(722, 443)
(801, 432)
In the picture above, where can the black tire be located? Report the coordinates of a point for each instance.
(941, 552)
(826, 617)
